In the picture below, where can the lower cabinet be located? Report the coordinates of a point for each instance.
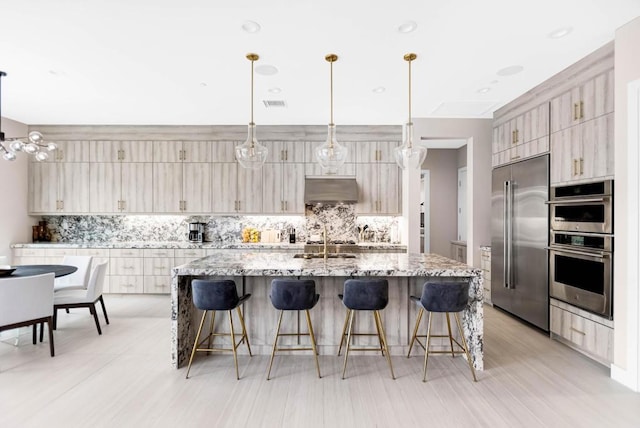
(485, 265)
(459, 251)
(126, 270)
(157, 270)
(585, 332)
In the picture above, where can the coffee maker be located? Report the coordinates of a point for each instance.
(196, 232)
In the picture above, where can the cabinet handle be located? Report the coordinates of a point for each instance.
(581, 166)
(238, 205)
(517, 135)
(577, 331)
(62, 205)
(286, 205)
(281, 205)
(574, 170)
(286, 154)
(581, 110)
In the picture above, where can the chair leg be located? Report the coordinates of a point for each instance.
(34, 329)
(346, 353)
(466, 349)
(55, 318)
(426, 351)
(49, 324)
(92, 309)
(104, 310)
(211, 322)
(344, 331)
(375, 319)
(233, 344)
(195, 344)
(383, 336)
(245, 337)
(450, 335)
(41, 332)
(415, 331)
(312, 336)
(275, 344)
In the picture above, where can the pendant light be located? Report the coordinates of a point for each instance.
(407, 155)
(251, 154)
(33, 146)
(331, 155)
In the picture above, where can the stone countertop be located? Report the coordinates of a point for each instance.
(283, 264)
(463, 243)
(190, 245)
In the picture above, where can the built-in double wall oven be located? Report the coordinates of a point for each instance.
(581, 246)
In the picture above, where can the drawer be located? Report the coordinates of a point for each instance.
(126, 252)
(158, 266)
(588, 336)
(60, 252)
(126, 266)
(158, 252)
(126, 284)
(28, 252)
(190, 253)
(157, 284)
(95, 252)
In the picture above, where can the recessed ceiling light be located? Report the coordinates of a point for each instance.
(379, 89)
(266, 70)
(560, 32)
(484, 90)
(493, 82)
(203, 84)
(509, 71)
(407, 27)
(275, 90)
(251, 26)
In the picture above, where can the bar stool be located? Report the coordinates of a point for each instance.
(212, 296)
(294, 295)
(365, 295)
(443, 297)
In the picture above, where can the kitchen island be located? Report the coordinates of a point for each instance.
(253, 272)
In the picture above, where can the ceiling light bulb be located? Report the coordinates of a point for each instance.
(275, 90)
(16, 145)
(35, 137)
(509, 71)
(30, 148)
(484, 90)
(52, 146)
(41, 156)
(10, 156)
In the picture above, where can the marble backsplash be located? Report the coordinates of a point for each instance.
(341, 220)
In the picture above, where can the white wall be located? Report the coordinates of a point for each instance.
(626, 365)
(478, 133)
(15, 224)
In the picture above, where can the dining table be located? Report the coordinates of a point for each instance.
(31, 270)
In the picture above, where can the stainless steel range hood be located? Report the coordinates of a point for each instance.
(333, 190)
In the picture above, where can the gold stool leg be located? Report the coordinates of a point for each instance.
(312, 336)
(213, 317)
(426, 351)
(466, 349)
(378, 319)
(233, 344)
(275, 344)
(346, 353)
(450, 335)
(245, 337)
(344, 330)
(382, 350)
(415, 331)
(195, 344)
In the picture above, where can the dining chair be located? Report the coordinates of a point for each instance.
(78, 280)
(27, 301)
(88, 298)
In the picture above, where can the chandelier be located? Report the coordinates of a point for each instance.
(251, 154)
(33, 144)
(407, 155)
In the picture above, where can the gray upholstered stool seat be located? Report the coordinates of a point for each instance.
(294, 295)
(218, 295)
(364, 295)
(443, 297)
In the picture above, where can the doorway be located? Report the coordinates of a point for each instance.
(462, 204)
(425, 195)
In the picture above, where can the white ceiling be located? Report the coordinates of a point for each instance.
(183, 62)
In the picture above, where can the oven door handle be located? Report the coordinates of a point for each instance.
(578, 201)
(598, 254)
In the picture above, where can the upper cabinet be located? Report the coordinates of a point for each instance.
(59, 188)
(375, 151)
(121, 151)
(285, 151)
(522, 136)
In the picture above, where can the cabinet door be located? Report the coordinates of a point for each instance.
(73, 187)
(516, 131)
(314, 169)
(562, 112)
(596, 157)
(196, 187)
(562, 165)
(104, 151)
(275, 152)
(196, 151)
(293, 188)
(224, 194)
(43, 187)
(136, 151)
(389, 188)
(167, 187)
(367, 178)
(104, 187)
(166, 151)
(386, 151)
(293, 151)
(272, 182)
(249, 190)
(137, 187)
(71, 151)
(536, 123)
(223, 151)
(366, 152)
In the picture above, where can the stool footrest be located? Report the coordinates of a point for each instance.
(294, 349)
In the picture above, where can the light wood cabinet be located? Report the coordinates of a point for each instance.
(283, 188)
(285, 151)
(236, 189)
(121, 151)
(583, 331)
(57, 187)
(313, 168)
(68, 151)
(375, 151)
(521, 137)
(182, 151)
(157, 270)
(583, 152)
(249, 191)
(378, 188)
(121, 187)
(126, 271)
(224, 151)
(485, 265)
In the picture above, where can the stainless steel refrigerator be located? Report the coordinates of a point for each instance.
(519, 237)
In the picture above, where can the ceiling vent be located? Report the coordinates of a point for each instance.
(274, 103)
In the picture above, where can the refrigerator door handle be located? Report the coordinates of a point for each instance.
(507, 234)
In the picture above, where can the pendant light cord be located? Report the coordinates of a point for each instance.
(252, 61)
(331, 86)
(409, 121)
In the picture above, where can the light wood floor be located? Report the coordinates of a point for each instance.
(124, 379)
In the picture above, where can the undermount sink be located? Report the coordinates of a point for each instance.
(321, 256)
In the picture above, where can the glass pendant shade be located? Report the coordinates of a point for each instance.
(407, 155)
(251, 154)
(331, 155)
